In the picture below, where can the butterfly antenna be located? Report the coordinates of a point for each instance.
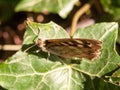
(29, 48)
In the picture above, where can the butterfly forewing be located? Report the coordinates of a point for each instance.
(68, 48)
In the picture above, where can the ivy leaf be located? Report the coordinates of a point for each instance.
(109, 59)
(30, 69)
(62, 7)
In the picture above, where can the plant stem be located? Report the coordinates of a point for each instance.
(10, 47)
(77, 15)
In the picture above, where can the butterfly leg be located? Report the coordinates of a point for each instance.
(48, 56)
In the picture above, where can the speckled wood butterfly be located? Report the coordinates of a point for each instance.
(69, 48)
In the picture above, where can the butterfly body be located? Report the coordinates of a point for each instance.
(69, 48)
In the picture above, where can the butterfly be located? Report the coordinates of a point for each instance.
(71, 47)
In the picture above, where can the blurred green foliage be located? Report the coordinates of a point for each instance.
(9, 8)
(112, 7)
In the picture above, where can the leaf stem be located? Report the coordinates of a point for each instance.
(77, 15)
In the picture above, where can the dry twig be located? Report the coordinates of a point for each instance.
(10, 47)
(77, 15)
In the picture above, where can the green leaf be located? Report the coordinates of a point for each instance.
(62, 7)
(30, 69)
(44, 31)
(109, 59)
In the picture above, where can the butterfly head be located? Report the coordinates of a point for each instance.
(41, 44)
